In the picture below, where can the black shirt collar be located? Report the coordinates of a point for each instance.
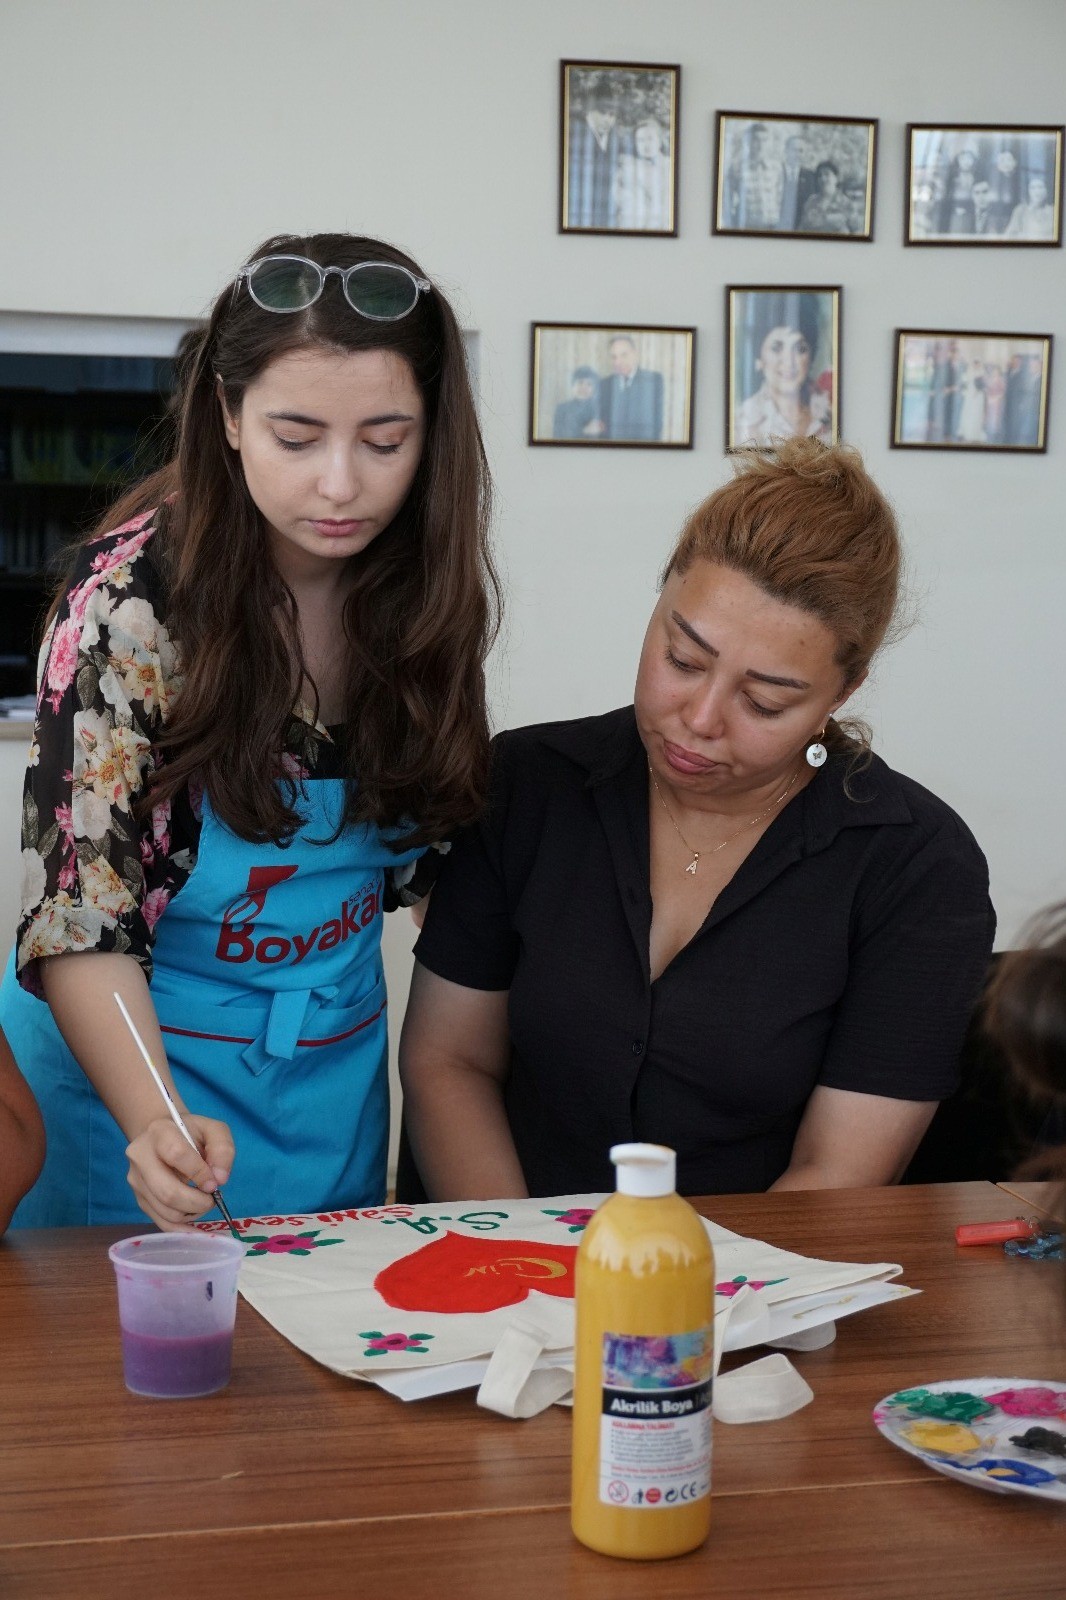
(870, 797)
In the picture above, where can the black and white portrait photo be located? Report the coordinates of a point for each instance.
(618, 140)
(984, 185)
(797, 176)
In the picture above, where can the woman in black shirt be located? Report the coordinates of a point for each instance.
(712, 919)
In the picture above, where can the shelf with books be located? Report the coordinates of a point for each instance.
(74, 431)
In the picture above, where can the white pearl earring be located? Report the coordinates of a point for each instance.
(816, 752)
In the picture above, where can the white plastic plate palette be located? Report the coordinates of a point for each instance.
(1003, 1434)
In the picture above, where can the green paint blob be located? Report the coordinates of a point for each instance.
(950, 1406)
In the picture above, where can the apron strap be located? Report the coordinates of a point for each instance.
(290, 1010)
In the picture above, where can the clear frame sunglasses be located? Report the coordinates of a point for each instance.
(383, 291)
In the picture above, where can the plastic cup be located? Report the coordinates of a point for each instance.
(177, 1301)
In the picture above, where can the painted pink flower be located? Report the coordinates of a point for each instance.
(383, 1344)
(1034, 1402)
(576, 1219)
(281, 1244)
(734, 1285)
(286, 1244)
(67, 876)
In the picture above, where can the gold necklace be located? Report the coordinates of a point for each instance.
(694, 863)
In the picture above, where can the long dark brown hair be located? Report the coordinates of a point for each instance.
(424, 605)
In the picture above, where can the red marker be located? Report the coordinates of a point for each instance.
(995, 1232)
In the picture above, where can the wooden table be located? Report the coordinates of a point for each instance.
(297, 1483)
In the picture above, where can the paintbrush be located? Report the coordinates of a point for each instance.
(175, 1115)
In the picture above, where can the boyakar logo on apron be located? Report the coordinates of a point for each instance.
(236, 939)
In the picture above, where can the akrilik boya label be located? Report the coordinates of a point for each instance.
(655, 1431)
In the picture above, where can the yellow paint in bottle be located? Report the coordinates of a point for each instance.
(644, 1299)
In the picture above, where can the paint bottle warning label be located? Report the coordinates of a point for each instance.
(655, 1432)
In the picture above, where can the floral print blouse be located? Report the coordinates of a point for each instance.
(95, 876)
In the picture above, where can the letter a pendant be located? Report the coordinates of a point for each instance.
(694, 863)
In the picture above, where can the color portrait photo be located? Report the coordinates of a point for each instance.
(976, 391)
(594, 385)
(784, 363)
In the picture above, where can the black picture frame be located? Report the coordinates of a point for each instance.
(758, 396)
(988, 200)
(949, 398)
(578, 397)
(616, 176)
(831, 181)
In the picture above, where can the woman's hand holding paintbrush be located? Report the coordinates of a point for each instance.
(163, 1166)
(202, 1151)
(80, 990)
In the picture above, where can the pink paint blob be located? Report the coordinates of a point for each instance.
(1036, 1401)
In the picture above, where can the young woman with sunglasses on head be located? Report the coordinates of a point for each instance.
(261, 702)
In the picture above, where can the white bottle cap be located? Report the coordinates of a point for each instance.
(645, 1169)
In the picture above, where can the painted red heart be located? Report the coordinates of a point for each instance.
(458, 1273)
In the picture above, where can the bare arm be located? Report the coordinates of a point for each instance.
(21, 1136)
(454, 1056)
(854, 1141)
(80, 992)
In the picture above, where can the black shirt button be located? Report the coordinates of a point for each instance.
(638, 1047)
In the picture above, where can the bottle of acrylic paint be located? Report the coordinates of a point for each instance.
(641, 1484)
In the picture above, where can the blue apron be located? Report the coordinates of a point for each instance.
(269, 989)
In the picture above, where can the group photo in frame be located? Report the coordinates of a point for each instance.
(782, 363)
(971, 391)
(794, 176)
(611, 384)
(618, 129)
(981, 184)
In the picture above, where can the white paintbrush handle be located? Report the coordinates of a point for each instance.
(150, 1064)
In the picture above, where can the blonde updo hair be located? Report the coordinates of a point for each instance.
(806, 523)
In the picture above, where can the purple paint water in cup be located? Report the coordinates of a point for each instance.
(177, 1300)
(176, 1367)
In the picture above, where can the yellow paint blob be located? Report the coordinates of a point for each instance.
(946, 1438)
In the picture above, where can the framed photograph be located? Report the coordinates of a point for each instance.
(795, 176)
(612, 384)
(618, 130)
(783, 363)
(971, 391)
(983, 184)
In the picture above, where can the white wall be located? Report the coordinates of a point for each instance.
(148, 147)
